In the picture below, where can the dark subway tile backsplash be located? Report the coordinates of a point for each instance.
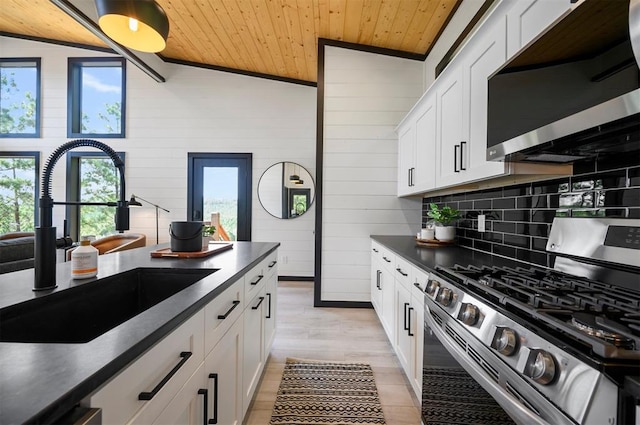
(519, 217)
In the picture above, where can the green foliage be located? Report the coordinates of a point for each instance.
(100, 182)
(208, 230)
(445, 215)
(17, 189)
(228, 209)
(26, 122)
(111, 118)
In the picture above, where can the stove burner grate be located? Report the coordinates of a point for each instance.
(597, 326)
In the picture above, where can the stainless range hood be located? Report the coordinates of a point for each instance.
(573, 93)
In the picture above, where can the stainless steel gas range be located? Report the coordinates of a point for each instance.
(557, 346)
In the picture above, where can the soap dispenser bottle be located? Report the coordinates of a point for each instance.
(84, 260)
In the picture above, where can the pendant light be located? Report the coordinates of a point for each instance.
(138, 24)
(293, 178)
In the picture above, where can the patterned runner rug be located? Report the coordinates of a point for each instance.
(326, 393)
(453, 397)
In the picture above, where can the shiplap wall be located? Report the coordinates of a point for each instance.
(196, 110)
(366, 96)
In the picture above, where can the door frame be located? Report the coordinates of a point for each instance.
(247, 186)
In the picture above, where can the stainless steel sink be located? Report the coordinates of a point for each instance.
(84, 312)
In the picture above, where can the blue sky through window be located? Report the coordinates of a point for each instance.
(101, 88)
(19, 80)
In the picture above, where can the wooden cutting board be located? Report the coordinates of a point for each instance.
(214, 248)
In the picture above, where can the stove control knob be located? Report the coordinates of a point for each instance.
(469, 314)
(432, 286)
(505, 341)
(541, 367)
(445, 296)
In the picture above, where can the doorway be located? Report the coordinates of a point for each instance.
(221, 182)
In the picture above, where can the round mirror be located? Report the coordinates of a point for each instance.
(286, 190)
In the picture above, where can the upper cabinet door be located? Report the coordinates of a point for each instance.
(450, 125)
(406, 157)
(484, 54)
(426, 135)
(528, 18)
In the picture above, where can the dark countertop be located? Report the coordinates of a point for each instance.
(41, 382)
(427, 258)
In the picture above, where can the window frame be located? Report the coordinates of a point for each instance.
(38, 125)
(36, 196)
(72, 212)
(74, 97)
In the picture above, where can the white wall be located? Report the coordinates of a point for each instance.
(196, 110)
(366, 96)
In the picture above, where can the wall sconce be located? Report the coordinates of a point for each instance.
(138, 24)
(133, 202)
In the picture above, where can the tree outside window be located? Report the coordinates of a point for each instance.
(19, 97)
(96, 105)
(18, 191)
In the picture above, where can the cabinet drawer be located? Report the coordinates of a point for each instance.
(222, 312)
(119, 398)
(388, 259)
(256, 277)
(271, 265)
(402, 272)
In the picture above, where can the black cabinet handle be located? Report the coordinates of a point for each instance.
(268, 316)
(257, 280)
(386, 259)
(204, 392)
(214, 420)
(374, 250)
(378, 275)
(405, 326)
(149, 395)
(273, 263)
(399, 270)
(409, 321)
(455, 159)
(224, 316)
(417, 285)
(409, 177)
(258, 305)
(461, 156)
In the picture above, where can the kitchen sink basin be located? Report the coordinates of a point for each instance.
(84, 312)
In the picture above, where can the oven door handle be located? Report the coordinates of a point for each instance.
(516, 409)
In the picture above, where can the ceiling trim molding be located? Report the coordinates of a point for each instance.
(240, 71)
(92, 27)
(322, 42)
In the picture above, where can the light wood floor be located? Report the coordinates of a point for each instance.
(338, 334)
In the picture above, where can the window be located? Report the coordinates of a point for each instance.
(19, 97)
(92, 177)
(96, 102)
(19, 173)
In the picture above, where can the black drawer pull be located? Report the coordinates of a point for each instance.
(461, 157)
(405, 326)
(204, 392)
(257, 280)
(149, 395)
(268, 316)
(386, 259)
(399, 270)
(224, 316)
(273, 263)
(374, 250)
(214, 420)
(417, 285)
(455, 158)
(258, 305)
(409, 320)
(378, 276)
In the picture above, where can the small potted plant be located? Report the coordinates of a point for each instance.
(445, 218)
(207, 235)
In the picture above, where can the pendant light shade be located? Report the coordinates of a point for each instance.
(138, 24)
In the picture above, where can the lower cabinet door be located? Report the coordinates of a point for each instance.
(223, 368)
(404, 330)
(253, 347)
(190, 405)
(270, 313)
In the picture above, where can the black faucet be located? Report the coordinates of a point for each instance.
(45, 240)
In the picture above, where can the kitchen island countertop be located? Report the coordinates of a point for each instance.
(41, 382)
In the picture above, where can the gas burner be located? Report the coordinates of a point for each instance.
(596, 326)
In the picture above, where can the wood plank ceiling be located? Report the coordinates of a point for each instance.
(273, 37)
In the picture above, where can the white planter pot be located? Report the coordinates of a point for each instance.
(445, 233)
(205, 242)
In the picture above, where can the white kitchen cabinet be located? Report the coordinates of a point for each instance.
(527, 19)
(223, 371)
(271, 294)
(417, 149)
(254, 355)
(376, 278)
(450, 123)
(404, 333)
(177, 356)
(189, 406)
(414, 372)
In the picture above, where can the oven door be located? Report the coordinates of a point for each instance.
(462, 384)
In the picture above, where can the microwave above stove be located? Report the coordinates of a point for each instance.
(574, 92)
